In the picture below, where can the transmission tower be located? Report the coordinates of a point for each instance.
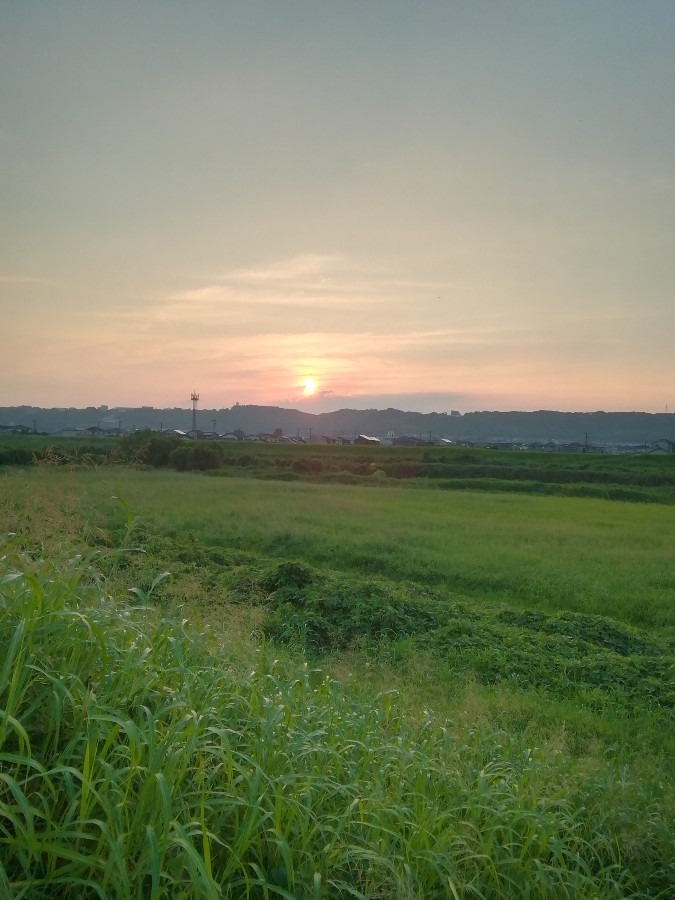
(194, 397)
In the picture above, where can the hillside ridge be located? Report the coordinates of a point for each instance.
(542, 425)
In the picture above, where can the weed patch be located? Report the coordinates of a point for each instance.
(132, 763)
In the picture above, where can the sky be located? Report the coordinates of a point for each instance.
(450, 204)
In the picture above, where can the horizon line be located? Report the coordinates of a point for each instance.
(451, 414)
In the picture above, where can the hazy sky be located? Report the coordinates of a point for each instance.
(428, 205)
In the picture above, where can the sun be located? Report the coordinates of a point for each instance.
(308, 386)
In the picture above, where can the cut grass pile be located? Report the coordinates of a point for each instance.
(136, 761)
(590, 658)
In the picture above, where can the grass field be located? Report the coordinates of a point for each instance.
(377, 693)
(629, 477)
(549, 553)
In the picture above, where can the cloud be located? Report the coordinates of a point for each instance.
(303, 268)
(369, 338)
(292, 295)
(29, 280)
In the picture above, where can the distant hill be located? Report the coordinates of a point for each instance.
(542, 425)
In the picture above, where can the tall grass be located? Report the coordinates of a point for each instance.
(135, 762)
(547, 553)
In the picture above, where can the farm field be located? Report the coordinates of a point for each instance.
(373, 692)
(630, 477)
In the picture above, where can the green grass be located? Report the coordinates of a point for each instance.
(544, 553)
(29, 449)
(136, 762)
(463, 692)
(641, 478)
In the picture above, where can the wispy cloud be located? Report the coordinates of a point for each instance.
(303, 268)
(29, 280)
(282, 296)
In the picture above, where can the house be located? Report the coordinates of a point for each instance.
(663, 445)
(15, 429)
(276, 437)
(174, 432)
(366, 439)
(409, 440)
(571, 447)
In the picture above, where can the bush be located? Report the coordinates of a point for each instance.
(198, 456)
(308, 464)
(15, 456)
(148, 447)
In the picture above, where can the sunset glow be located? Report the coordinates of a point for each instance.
(330, 206)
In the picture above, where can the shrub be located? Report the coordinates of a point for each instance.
(199, 456)
(148, 447)
(15, 456)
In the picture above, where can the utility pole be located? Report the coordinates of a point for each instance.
(194, 397)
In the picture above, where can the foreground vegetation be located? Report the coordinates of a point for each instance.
(635, 477)
(335, 692)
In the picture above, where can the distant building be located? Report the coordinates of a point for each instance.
(12, 428)
(409, 440)
(175, 432)
(366, 439)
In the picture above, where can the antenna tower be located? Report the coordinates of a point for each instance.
(194, 397)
